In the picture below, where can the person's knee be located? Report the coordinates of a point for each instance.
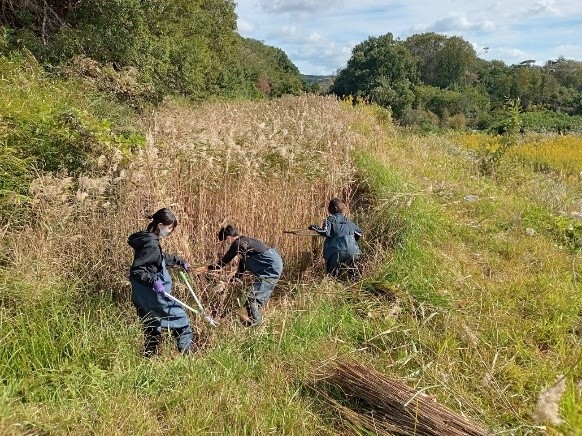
(262, 290)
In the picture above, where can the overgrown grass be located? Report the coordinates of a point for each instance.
(544, 152)
(467, 295)
(48, 124)
(510, 322)
(71, 365)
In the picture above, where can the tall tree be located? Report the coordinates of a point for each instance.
(424, 48)
(442, 61)
(380, 69)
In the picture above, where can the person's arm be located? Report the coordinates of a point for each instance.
(233, 250)
(172, 260)
(325, 230)
(146, 257)
(241, 267)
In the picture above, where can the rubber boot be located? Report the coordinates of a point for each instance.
(151, 343)
(254, 313)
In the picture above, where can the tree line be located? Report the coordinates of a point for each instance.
(142, 50)
(185, 47)
(434, 79)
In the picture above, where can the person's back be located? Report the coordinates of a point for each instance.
(341, 236)
(264, 262)
(340, 248)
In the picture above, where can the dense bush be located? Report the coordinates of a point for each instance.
(549, 121)
(49, 125)
(169, 47)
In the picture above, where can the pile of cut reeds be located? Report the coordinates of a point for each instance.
(389, 406)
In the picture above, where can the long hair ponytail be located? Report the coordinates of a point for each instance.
(164, 216)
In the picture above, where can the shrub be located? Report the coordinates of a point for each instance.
(47, 125)
(456, 122)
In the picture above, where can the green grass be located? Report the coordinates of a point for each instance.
(459, 299)
(412, 222)
(73, 365)
(512, 299)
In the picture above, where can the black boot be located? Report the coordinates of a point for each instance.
(254, 313)
(151, 343)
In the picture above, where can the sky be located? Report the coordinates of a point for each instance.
(318, 35)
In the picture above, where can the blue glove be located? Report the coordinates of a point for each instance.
(159, 287)
(186, 266)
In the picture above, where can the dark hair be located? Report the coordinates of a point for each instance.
(163, 216)
(225, 231)
(336, 206)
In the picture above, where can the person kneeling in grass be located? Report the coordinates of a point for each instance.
(262, 261)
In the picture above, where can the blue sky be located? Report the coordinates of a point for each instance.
(318, 35)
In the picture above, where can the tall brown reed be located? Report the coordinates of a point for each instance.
(264, 166)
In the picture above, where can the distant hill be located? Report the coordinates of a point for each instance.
(324, 82)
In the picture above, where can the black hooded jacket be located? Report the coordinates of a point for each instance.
(148, 256)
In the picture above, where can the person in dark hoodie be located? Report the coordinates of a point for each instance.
(260, 260)
(150, 279)
(340, 249)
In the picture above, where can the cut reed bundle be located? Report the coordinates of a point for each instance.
(391, 407)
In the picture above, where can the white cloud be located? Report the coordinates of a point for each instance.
(311, 51)
(289, 34)
(542, 7)
(509, 55)
(297, 6)
(568, 51)
(245, 26)
(458, 23)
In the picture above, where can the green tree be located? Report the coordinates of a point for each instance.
(567, 72)
(442, 61)
(269, 69)
(380, 69)
(469, 101)
(188, 47)
(424, 48)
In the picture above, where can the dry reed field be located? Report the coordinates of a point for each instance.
(265, 167)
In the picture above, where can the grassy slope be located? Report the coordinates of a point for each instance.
(465, 301)
(501, 308)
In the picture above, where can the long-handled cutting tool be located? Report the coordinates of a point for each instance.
(301, 232)
(201, 310)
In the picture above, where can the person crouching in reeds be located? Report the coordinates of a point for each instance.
(340, 249)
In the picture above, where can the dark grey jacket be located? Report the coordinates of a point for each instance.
(148, 257)
(255, 257)
(341, 236)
